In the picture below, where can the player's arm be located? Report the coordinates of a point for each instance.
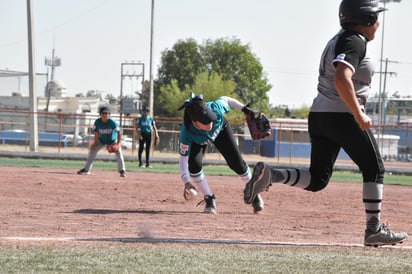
(184, 169)
(138, 131)
(233, 103)
(189, 191)
(119, 136)
(346, 91)
(155, 130)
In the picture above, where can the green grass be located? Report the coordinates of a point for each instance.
(201, 258)
(223, 170)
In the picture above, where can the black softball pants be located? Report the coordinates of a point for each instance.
(144, 143)
(226, 145)
(329, 132)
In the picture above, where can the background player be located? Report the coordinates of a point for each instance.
(106, 132)
(204, 123)
(337, 120)
(145, 126)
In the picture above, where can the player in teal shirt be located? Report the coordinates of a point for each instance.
(145, 126)
(106, 132)
(204, 123)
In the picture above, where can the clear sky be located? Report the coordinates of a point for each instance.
(93, 37)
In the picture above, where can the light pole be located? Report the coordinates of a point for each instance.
(131, 70)
(381, 101)
(34, 138)
(151, 60)
(53, 63)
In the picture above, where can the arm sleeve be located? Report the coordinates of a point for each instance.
(233, 103)
(184, 169)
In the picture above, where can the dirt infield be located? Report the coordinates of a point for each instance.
(58, 203)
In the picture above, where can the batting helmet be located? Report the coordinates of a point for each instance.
(359, 12)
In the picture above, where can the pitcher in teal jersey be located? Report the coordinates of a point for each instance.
(204, 123)
(106, 132)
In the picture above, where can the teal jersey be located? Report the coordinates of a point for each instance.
(193, 135)
(107, 131)
(145, 124)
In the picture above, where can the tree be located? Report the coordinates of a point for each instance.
(236, 62)
(182, 63)
(211, 86)
(227, 59)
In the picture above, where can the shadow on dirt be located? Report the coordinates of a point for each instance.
(117, 211)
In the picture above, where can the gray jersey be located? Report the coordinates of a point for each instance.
(349, 48)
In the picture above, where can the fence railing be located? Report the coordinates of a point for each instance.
(290, 138)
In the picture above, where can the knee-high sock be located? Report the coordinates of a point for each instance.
(245, 177)
(372, 200)
(200, 180)
(292, 177)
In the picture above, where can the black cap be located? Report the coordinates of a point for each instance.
(204, 115)
(104, 110)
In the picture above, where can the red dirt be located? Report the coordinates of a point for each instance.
(58, 203)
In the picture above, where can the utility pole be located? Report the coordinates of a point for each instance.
(53, 63)
(382, 95)
(131, 70)
(34, 136)
(381, 92)
(151, 91)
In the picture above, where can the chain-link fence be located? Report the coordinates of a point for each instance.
(289, 137)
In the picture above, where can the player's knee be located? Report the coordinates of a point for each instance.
(239, 168)
(315, 188)
(317, 184)
(319, 179)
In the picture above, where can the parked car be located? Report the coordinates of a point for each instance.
(70, 139)
(127, 143)
(87, 140)
(20, 137)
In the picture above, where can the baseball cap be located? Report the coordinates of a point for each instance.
(204, 115)
(104, 110)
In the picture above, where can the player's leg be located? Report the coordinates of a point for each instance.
(120, 163)
(199, 178)
(148, 139)
(364, 151)
(90, 158)
(141, 147)
(316, 178)
(227, 146)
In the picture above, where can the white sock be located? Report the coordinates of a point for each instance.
(245, 177)
(372, 200)
(200, 180)
(292, 177)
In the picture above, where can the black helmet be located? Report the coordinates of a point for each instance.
(359, 12)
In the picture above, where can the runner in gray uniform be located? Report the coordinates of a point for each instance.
(337, 120)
